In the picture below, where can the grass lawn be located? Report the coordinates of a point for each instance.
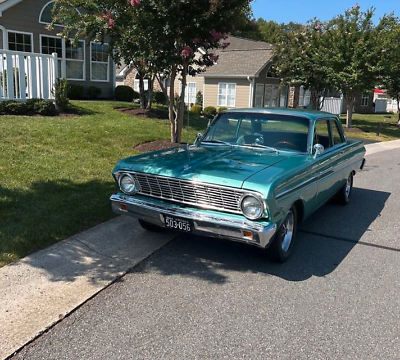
(56, 171)
(368, 123)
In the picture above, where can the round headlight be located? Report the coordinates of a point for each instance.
(127, 184)
(252, 207)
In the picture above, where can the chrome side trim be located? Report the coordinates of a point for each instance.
(220, 226)
(283, 193)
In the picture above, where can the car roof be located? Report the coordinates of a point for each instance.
(311, 114)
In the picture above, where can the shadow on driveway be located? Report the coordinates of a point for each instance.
(323, 242)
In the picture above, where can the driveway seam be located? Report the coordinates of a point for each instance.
(383, 247)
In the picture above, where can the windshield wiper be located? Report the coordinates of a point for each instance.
(216, 141)
(262, 147)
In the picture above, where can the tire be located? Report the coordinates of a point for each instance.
(344, 194)
(150, 227)
(282, 245)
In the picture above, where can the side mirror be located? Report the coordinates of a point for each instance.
(319, 149)
(199, 136)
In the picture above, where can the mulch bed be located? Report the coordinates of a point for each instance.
(155, 145)
(147, 113)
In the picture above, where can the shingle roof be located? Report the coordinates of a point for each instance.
(241, 57)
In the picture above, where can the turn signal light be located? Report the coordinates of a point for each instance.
(248, 234)
(123, 207)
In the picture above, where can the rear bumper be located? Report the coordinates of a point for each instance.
(204, 223)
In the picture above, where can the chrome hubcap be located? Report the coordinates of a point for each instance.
(348, 187)
(287, 231)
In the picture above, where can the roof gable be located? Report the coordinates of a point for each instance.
(6, 4)
(243, 57)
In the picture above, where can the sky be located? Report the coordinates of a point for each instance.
(284, 11)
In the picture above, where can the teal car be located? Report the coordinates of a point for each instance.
(253, 177)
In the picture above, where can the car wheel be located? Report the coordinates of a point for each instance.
(149, 226)
(284, 239)
(344, 194)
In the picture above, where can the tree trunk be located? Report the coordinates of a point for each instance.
(349, 103)
(142, 95)
(314, 99)
(398, 110)
(150, 92)
(181, 105)
(171, 110)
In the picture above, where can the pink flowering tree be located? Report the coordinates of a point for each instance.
(342, 54)
(162, 39)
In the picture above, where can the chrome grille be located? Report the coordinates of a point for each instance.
(190, 193)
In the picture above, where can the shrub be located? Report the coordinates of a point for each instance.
(30, 104)
(222, 108)
(16, 107)
(61, 93)
(75, 91)
(45, 108)
(197, 109)
(159, 97)
(210, 110)
(136, 95)
(93, 92)
(124, 93)
(199, 98)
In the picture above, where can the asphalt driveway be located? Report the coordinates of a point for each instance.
(198, 298)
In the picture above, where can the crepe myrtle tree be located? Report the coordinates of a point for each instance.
(353, 46)
(390, 59)
(299, 60)
(163, 39)
(341, 54)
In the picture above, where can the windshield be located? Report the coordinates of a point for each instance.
(282, 132)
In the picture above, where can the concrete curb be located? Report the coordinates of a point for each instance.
(43, 288)
(382, 146)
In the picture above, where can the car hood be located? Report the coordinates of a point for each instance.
(220, 165)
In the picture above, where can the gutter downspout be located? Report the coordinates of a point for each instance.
(5, 40)
(251, 92)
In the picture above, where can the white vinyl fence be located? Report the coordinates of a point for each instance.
(385, 105)
(332, 105)
(27, 75)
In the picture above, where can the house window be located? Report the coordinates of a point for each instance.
(304, 97)
(136, 86)
(259, 95)
(46, 15)
(283, 96)
(271, 96)
(99, 62)
(75, 60)
(190, 93)
(365, 99)
(71, 58)
(19, 41)
(51, 45)
(226, 94)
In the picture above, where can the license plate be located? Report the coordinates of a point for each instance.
(174, 223)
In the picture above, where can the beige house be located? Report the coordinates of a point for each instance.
(240, 78)
(24, 35)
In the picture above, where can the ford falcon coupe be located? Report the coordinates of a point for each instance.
(253, 177)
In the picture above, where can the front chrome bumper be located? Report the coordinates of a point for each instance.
(205, 223)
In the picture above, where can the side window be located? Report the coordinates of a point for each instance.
(336, 135)
(321, 133)
(245, 128)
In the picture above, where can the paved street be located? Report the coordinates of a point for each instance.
(338, 297)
